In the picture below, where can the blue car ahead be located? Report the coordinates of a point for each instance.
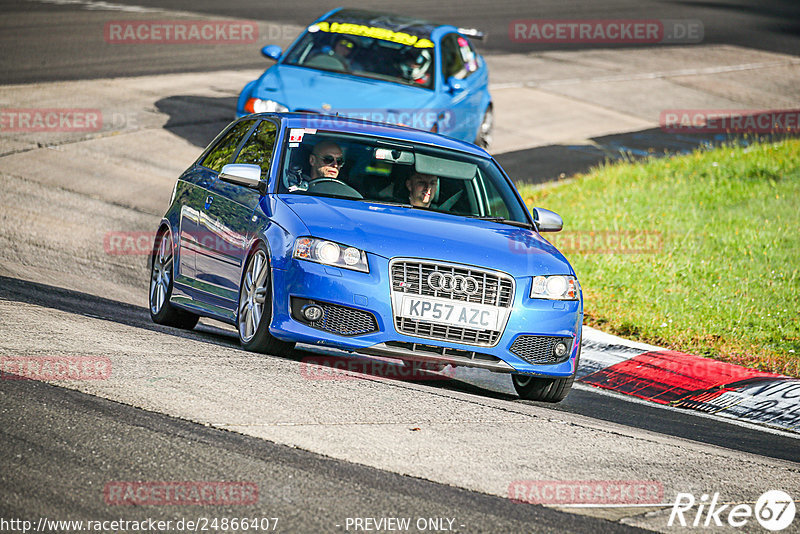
(380, 67)
(371, 238)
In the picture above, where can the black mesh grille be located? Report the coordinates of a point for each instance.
(539, 349)
(449, 333)
(336, 319)
(345, 321)
(493, 288)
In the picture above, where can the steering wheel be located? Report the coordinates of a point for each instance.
(329, 60)
(345, 189)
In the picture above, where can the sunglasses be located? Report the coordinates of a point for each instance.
(327, 159)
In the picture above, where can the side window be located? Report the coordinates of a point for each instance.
(259, 148)
(496, 204)
(452, 64)
(458, 56)
(222, 153)
(467, 54)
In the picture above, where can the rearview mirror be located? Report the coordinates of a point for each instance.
(547, 221)
(272, 52)
(393, 155)
(242, 174)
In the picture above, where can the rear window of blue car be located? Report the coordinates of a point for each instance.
(370, 169)
(367, 51)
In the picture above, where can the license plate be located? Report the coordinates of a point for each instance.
(451, 313)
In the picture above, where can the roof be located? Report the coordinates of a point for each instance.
(400, 133)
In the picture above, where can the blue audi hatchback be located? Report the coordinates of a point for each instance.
(371, 238)
(380, 67)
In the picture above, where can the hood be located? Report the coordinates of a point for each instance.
(301, 88)
(393, 231)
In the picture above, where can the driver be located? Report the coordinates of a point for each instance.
(326, 160)
(416, 66)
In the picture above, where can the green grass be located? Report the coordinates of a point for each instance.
(725, 280)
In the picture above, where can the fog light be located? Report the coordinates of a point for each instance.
(560, 349)
(312, 312)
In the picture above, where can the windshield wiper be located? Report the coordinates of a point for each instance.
(386, 202)
(501, 220)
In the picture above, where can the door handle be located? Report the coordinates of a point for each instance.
(209, 200)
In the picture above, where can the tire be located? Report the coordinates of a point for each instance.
(254, 312)
(484, 137)
(544, 389)
(161, 275)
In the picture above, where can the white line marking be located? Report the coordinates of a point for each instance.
(95, 5)
(650, 75)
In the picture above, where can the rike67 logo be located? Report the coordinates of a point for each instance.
(774, 510)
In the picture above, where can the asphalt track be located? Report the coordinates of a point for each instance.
(68, 50)
(61, 446)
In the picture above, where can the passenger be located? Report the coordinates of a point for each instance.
(346, 48)
(422, 189)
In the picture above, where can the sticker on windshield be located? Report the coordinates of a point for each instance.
(296, 135)
(383, 34)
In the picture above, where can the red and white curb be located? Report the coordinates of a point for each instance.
(646, 373)
(686, 381)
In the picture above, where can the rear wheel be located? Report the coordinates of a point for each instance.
(544, 389)
(161, 275)
(484, 137)
(255, 308)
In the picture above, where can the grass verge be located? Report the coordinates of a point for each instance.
(698, 253)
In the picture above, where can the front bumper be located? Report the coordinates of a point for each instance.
(369, 292)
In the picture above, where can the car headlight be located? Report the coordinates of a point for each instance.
(330, 253)
(256, 105)
(557, 287)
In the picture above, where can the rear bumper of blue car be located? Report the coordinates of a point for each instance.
(367, 298)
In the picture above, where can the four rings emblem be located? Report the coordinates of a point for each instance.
(452, 283)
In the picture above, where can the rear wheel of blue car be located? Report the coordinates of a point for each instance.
(255, 308)
(484, 137)
(161, 273)
(544, 389)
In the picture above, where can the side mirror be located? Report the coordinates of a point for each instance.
(243, 174)
(455, 85)
(272, 52)
(547, 221)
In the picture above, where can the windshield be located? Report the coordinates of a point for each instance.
(370, 169)
(367, 51)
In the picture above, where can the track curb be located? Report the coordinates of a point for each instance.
(687, 381)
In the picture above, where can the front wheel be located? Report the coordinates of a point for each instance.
(544, 389)
(161, 275)
(255, 308)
